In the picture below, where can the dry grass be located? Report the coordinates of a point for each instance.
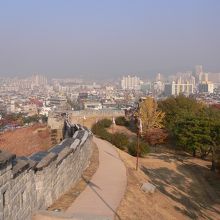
(121, 129)
(186, 189)
(25, 141)
(69, 197)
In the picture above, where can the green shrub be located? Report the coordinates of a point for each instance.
(105, 123)
(99, 129)
(143, 148)
(100, 126)
(120, 140)
(121, 120)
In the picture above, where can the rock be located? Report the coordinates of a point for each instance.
(148, 187)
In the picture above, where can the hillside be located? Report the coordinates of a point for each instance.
(25, 141)
(186, 189)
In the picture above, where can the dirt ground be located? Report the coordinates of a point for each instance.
(25, 141)
(186, 189)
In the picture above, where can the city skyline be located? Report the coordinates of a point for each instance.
(101, 39)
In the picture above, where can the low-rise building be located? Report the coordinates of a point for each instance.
(92, 105)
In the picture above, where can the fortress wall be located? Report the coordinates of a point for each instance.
(89, 117)
(28, 184)
(101, 113)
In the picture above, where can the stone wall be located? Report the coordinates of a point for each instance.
(89, 117)
(93, 113)
(55, 123)
(28, 184)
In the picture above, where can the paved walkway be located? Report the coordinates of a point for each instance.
(103, 194)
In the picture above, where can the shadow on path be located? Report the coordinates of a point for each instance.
(92, 186)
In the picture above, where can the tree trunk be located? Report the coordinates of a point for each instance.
(213, 167)
(194, 152)
(204, 154)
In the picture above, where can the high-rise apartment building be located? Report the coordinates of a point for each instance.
(39, 80)
(198, 73)
(176, 88)
(206, 87)
(130, 82)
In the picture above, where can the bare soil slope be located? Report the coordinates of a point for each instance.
(25, 141)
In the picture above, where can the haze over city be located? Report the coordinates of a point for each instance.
(110, 109)
(107, 39)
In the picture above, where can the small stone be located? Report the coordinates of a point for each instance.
(56, 210)
(148, 187)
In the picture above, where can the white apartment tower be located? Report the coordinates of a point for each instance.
(130, 82)
(176, 88)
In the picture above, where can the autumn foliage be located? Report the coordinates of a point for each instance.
(156, 136)
(150, 115)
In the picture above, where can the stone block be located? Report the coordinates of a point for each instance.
(63, 154)
(19, 167)
(6, 158)
(46, 161)
(84, 138)
(148, 187)
(75, 134)
(75, 143)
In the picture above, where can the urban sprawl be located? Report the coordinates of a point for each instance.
(38, 95)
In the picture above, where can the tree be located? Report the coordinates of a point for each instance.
(156, 136)
(193, 126)
(177, 108)
(150, 115)
(214, 122)
(192, 133)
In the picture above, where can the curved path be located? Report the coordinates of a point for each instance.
(105, 190)
(103, 193)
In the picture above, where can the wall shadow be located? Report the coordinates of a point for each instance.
(195, 187)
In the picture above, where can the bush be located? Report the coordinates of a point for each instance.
(105, 123)
(143, 148)
(99, 129)
(120, 140)
(121, 120)
(156, 136)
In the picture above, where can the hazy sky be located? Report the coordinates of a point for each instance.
(100, 38)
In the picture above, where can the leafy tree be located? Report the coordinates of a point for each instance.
(193, 126)
(192, 133)
(150, 115)
(214, 122)
(177, 108)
